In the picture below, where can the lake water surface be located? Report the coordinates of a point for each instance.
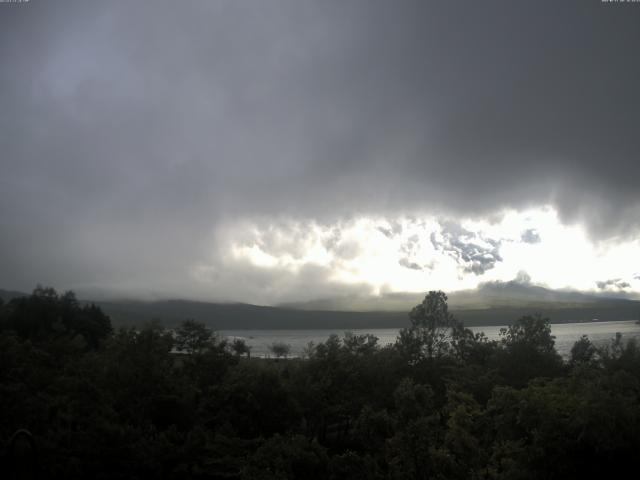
(566, 334)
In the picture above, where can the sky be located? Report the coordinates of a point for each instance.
(284, 151)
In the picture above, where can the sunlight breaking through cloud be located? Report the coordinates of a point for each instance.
(414, 253)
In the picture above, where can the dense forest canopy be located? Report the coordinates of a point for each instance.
(442, 402)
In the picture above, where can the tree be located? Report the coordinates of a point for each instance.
(240, 347)
(280, 349)
(359, 344)
(431, 328)
(193, 336)
(44, 316)
(529, 331)
(291, 457)
(417, 449)
(583, 351)
(528, 351)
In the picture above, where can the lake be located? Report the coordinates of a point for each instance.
(566, 335)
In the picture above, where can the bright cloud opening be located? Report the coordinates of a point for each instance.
(415, 253)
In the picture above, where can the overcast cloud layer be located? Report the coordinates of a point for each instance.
(132, 132)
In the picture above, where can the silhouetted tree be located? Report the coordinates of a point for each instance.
(283, 458)
(193, 336)
(359, 344)
(431, 328)
(583, 351)
(240, 347)
(280, 349)
(47, 316)
(528, 351)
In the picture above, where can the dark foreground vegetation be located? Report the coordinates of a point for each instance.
(440, 403)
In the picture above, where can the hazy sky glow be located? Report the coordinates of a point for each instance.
(410, 254)
(284, 150)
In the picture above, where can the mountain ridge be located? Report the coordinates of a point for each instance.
(487, 296)
(492, 304)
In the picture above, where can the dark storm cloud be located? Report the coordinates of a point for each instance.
(131, 130)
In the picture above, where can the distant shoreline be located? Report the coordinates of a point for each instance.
(566, 334)
(497, 325)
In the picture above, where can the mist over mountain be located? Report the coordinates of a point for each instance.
(495, 303)
(6, 295)
(489, 295)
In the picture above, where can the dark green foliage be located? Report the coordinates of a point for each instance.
(585, 425)
(583, 351)
(352, 466)
(431, 328)
(284, 458)
(280, 349)
(240, 347)
(46, 316)
(251, 402)
(441, 403)
(192, 336)
(528, 351)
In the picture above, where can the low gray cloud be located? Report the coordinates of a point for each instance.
(394, 229)
(333, 239)
(284, 238)
(411, 245)
(411, 248)
(523, 278)
(347, 250)
(405, 262)
(276, 285)
(530, 236)
(387, 232)
(616, 283)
